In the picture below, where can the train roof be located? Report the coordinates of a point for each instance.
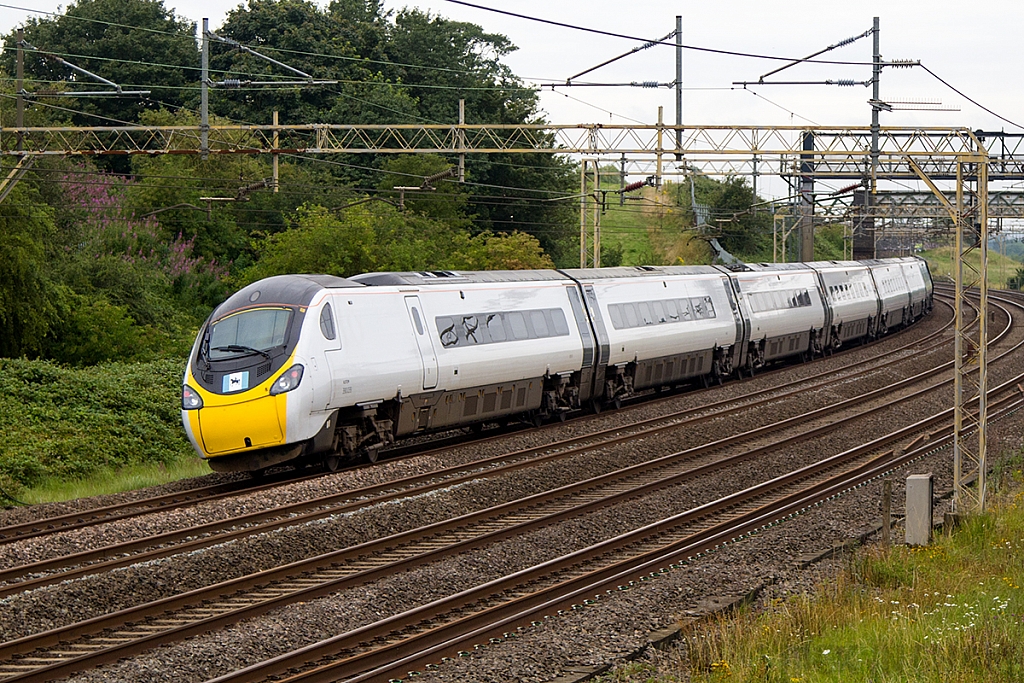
(835, 265)
(295, 290)
(446, 277)
(775, 267)
(637, 271)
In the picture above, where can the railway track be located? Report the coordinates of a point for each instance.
(109, 513)
(616, 487)
(488, 613)
(64, 567)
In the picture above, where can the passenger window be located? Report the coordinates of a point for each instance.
(540, 325)
(447, 330)
(631, 317)
(469, 324)
(615, 313)
(659, 312)
(495, 328)
(327, 323)
(645, 313)
(671, 309)
(709, 306)
(558, 322)
(416, 320)
(518, 324)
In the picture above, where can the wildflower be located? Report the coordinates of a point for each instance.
(825, 652)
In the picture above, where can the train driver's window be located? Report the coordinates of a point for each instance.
(327, 323)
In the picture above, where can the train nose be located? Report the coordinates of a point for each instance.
(252, 424)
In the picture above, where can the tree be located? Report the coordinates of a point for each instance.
(445, 200)
(742, 231)
(138, 44)
(378, 237)
(27, 310)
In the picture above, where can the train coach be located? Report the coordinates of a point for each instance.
(317, 368)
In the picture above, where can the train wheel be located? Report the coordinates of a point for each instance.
(563, 415)
(372, 454)
(332, 462)
(617, 402)
(595, 406)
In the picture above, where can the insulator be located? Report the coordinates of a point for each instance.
(902, 63)
(232, 83)
(649, 84)
(846, 82)
(843, 43)
(633, 186)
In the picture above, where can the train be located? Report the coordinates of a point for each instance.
(319, 368)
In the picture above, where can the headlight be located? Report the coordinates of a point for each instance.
(190, 398)
(288, 381)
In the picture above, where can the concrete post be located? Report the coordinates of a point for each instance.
(919, 509)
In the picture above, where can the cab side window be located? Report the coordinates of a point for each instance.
(327, 323)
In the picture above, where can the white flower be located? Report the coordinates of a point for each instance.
(825, 652)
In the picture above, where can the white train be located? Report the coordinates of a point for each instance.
(301, 367)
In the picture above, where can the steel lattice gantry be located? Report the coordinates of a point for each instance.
(934, 155)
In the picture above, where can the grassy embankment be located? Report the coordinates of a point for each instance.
(1000, 268)
(72, 432)
(649, 231)
(952, 612)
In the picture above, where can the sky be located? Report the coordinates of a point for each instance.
(975, 48)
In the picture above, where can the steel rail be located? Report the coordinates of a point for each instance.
(108, 513)
(390, 543)
(119, 555)
(413, 637)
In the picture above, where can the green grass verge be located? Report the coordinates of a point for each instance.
(66, 432)
(1000, 268)
(949, 612)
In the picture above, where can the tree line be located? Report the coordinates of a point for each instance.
(122, 257)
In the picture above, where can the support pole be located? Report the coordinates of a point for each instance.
(971, 353)
(597, 213)
(583, 213)
(679, 88)
(807, 200)
(204, 94)
(660, 151)
(277, 146)
(462, 141)
(19, 116)
(970, 348)
(876, 72)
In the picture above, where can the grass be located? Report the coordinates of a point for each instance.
(650, 231)
(107, 480)
(949, 612)
(1000, 268)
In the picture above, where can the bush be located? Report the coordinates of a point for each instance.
(65, 422)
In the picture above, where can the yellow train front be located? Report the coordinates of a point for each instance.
(245, 404)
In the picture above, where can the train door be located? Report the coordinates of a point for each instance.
(330, 342)
(423, 341)
(603, 343)
(589, 345)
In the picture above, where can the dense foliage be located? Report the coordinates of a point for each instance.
(122, 258)
(68, 422)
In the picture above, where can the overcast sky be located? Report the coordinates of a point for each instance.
(975, 47)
